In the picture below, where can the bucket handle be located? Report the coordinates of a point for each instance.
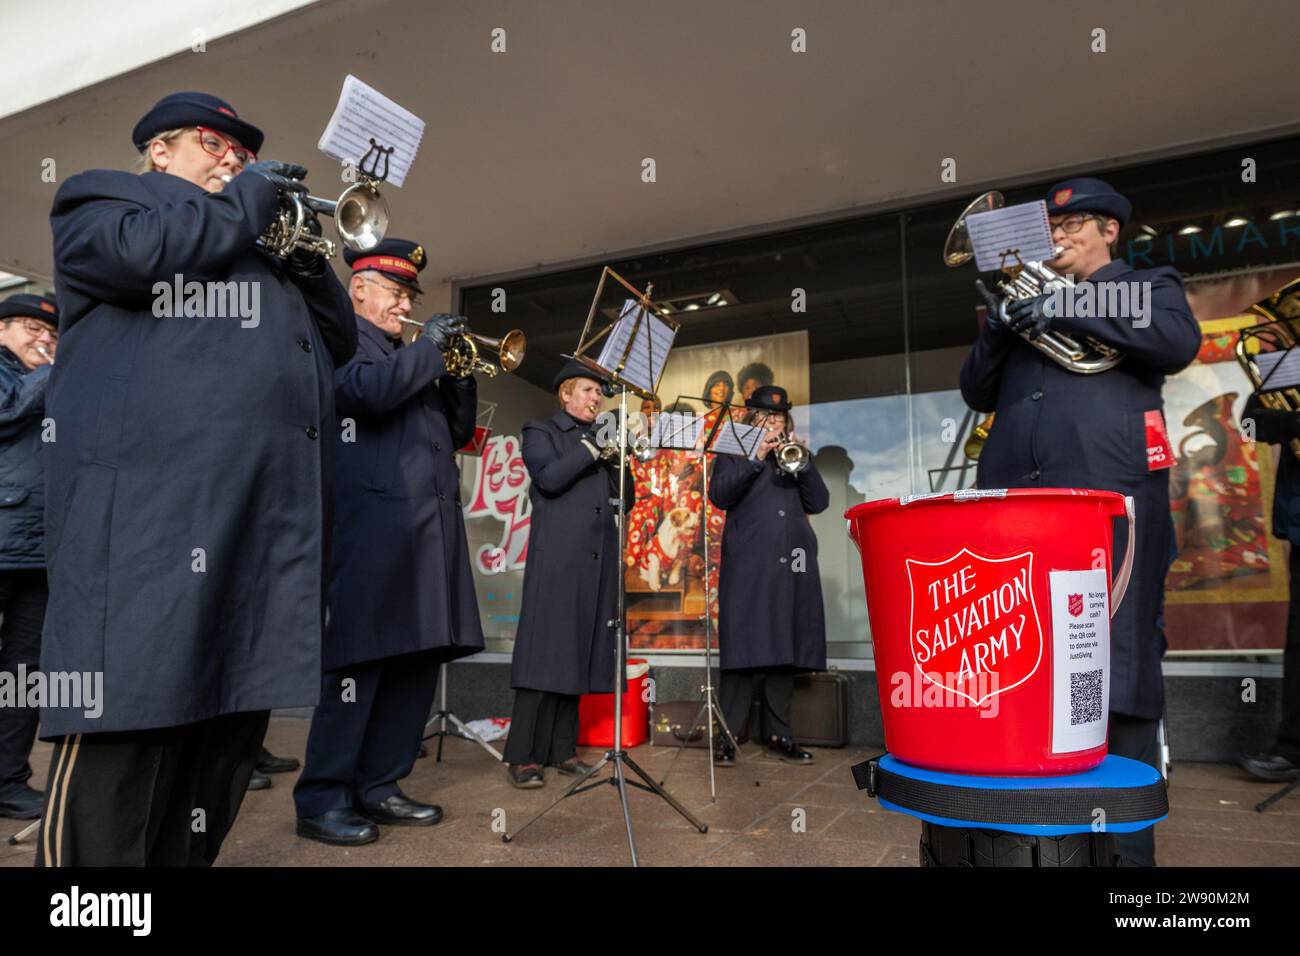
(1126, 567)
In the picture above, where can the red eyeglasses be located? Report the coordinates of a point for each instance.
(215, 144)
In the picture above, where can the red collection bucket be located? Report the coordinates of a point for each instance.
(990, 615)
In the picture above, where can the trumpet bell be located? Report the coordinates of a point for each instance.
(462, 353)
(792, 457)
(361, 217)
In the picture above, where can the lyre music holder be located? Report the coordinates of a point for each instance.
(631, 360)
(374, 155)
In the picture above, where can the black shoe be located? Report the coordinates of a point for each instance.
(573, 767)
(341, 827)
(400, 810)
(525, 776)
(21, 802)
(1272, 767)
(270, 763)
(724, 755)
(786, 749)
(259, 781)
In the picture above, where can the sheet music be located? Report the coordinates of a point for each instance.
(736, 439)
(649, 352)
(1280, 369)
(363, 112)
(1024, 228)
(676, 430)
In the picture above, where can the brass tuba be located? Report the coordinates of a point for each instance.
(1025, 281)
(462, 352)
(1282, 332)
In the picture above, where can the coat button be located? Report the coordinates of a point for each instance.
(442, 496)
(312, 432)
(598, 509)
(783, 559)
(595, 556)
(781, 513)
(437, 447)
(304, 345)
(1035, 474)
(1037, 396)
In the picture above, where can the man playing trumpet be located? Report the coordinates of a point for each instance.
(401, 597)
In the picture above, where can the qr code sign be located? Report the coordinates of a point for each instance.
(1085, 697)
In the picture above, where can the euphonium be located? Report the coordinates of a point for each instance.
(1283, 332)
(1026, 281)
(462, 358)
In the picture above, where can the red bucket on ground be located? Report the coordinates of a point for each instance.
(990, 617)
(596, 711)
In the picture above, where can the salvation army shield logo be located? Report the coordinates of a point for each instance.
(1074, 604)
(1062, 196)
(975, 629)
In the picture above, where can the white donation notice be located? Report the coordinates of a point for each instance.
(1080, 659)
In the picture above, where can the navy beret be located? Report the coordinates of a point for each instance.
(1085, 194)
(575, 369)
(399, 259)
(178, 110)
(770, 398)
(35, 306)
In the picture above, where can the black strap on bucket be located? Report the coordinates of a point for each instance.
(1020, 806)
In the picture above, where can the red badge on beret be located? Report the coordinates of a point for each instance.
(222, 109)
(1062, 196)
(46, 307)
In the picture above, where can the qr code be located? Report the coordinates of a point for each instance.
(1085, 697)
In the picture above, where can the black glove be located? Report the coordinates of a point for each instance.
(993, 303)
(284, 175)
(302, 262)
(1029, 315)
(441, 326)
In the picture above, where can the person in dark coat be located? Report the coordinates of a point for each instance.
(564, 646)
(1056, 428)
(28, 342)
(401, 597)
(771, 620)
(188, 487)
(1280, 427)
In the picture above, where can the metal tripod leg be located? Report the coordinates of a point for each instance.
(443, 715)
(708, 702)
(672, 801)
(24, 833)
(1285, 791)
(573, 788)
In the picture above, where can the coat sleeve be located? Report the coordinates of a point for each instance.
(1273, 426)
(369, 385)
(117, 248)
(22, 398)
(1165, 339)
(551, 471)
(460, 399)
(331, 310)
(981, 373)
(730, 480)
(812, 491)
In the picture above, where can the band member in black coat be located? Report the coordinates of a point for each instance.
(187, 488)
(28, 340)
(565, 645)
(1057, 428)
(401, 599)
(771, 621)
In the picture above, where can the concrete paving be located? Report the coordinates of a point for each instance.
(767, 813)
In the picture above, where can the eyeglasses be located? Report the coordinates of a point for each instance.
(214, 144)
(36, 327)
(1074, 222)
(398, 293)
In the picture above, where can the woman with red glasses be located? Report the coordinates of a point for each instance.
(188, 488)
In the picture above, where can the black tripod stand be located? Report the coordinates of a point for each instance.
(616, 757)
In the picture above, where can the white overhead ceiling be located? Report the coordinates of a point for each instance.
(534, 156)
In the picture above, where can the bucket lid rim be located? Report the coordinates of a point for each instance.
(970, 495)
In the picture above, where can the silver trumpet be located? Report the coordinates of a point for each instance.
(638, 447)
(791, 457)
(360, 217)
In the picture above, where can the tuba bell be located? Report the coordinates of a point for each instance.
(1279, 334)
(1026, 281)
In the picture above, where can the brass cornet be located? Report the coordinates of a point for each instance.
(360, 216)
(791, 457)
(462, 352)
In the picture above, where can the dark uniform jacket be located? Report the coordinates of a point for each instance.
(401, 578)
(1059, 429)
(564, 643)
(189, 481)
(1279, 427)
(22, 475)
(770, 611)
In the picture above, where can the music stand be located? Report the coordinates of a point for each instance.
(636, 345)
(474, 447)
(735, 442)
